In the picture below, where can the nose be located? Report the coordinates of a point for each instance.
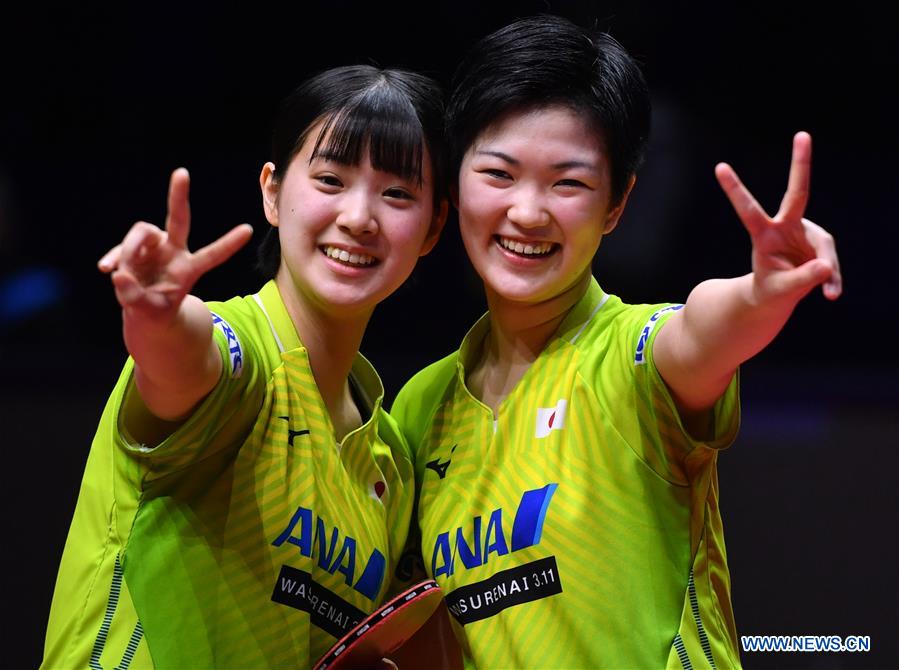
(356, 216)
(528, 208)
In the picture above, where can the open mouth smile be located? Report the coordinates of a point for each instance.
(352, 259)
(526, 249)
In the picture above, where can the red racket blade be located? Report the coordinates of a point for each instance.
(384, 630)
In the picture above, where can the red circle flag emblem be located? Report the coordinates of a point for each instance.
(550, 418)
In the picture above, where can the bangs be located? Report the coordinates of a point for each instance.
(381, 120)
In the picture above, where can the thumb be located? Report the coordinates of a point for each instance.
(132, 295)
(806, 277)
(128, 290)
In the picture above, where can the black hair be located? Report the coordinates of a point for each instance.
(392, 113)
(543, 61)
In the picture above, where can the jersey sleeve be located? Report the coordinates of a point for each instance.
(637, 400)
(222, 419)
(655, 397)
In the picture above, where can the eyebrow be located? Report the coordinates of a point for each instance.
(564, 165)
(332, 156)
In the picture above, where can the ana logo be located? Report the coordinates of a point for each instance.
(527, 530)
(314, 540)
(550, 418)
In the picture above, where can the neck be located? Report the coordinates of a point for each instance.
(331, 343)
(520, 331)
(518, 334)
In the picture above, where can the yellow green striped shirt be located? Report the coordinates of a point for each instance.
(249, 538)
(579, 528)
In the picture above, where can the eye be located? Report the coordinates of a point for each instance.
(572, 183)
(398, 193)
(496, 173)
(329, 180)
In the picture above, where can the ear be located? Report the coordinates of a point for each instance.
(437, 223)
(615, 213)
(269, 184)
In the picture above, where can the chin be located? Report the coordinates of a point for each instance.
(516, 286)
(520, 294)
(348, 301)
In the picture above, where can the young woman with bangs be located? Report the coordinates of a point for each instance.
(246, 496)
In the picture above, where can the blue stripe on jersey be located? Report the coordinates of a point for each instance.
(528, 526)
(369, 583)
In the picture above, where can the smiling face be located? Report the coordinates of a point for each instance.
(534, 203)
(350, 234)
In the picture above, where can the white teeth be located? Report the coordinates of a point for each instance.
(530, 249)
(346, 257)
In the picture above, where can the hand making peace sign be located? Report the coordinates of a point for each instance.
(152, 269)
(790, 254)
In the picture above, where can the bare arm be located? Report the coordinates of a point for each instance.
(167, 331)
(727, 321)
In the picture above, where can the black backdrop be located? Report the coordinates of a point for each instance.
(101, 104)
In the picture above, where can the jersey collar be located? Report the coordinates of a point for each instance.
(281, 324)
(582, 313)
(569, 330)
(368, 384)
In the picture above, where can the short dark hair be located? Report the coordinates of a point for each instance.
(392, 113)
(543, 61)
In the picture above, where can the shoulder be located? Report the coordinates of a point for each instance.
(420, 397)
(240, 311)
(243, 333)
(616, 345)
(428, 386)
(620, 324)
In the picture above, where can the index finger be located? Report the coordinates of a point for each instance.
(177, 220)
(222, 249)
(796, 197)
(745, 205)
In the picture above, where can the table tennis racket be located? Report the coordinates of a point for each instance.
(385, 630)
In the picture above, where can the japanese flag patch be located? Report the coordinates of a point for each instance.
(550, 418)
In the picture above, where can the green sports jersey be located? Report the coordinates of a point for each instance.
(580, 527)
(248, 538)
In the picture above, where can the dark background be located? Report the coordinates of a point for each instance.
(101, 104)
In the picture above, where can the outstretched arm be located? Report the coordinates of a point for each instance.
(167, 331)
(727, 321)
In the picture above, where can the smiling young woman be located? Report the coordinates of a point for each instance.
(566, 454)
(243, 433)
